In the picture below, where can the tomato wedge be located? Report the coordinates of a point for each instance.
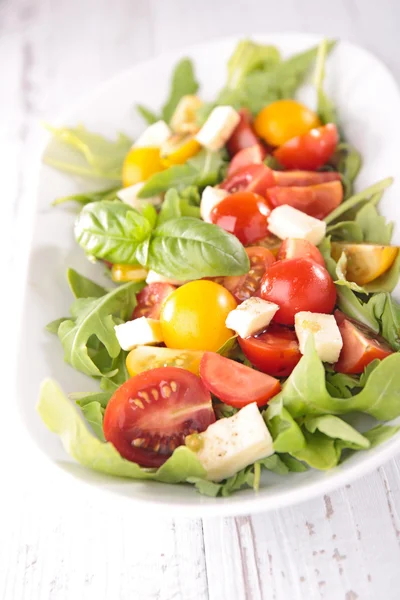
(365, 262)
(309, 151)
(314, 200)
(360, 345)
(304, 178)
(234, 383)
(243, 135)
(243, 287)
(253, 178)
(276, 351)
(294, 248)
(151, 414)
(150, 298)
(145, 358)
(253, 155)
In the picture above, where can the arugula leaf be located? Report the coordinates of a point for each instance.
(347, 231)
(53, 326)
(148, 115)
(381, 433)
(325, 109)
(83, 398)
(82, 287)
(187, 248)
(229, 345)
(367, 371)
(112, 231)
(183, 83)
(374, 227)
(387, 281)
(224, 411)
(341, 385)
(108, 194)
(293, 464)
(387, 311)
(359, 198)
(93, 413)
(78, 151)
(175, 206)
(337, 429)
(119, 373)
(248, 57)
(285, 431)
(320, 451)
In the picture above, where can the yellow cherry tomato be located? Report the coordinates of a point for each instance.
(365, 262)
(193, 316)
(178, 149)
(140, 164)
(282, 120)
(123, 273)
(144, 358)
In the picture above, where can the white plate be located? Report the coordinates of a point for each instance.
(369, 103)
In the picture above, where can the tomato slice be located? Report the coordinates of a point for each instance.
(243, 135)
(276, 351)
(253, 155)
(314, 200)
(360, 345)
(144, 358)
(294, 248)
(365, 262)
(150, 298)
(243, 287)
(244, 214)
(151, 414)
(234, 383)
(303, 178)
(309, 151)
(253, 178)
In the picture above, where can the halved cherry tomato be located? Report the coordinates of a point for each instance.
(253, 155)
(295, 285)
(140, 164)
(282, 120)
(253, 178)
(122, 273)
(150, 299)
(360, 345)
(151, 414)
(144, 358)
(276, 351)
(244, 214)
(271, 242)
(243, 287)
(178, 149)
(243, 135)
(234, 383)
(314, 200)
(302, 178)
(309, 151)
(365, 262)
(294, 248)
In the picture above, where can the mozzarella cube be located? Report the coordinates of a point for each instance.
(130, 195)
(218, 128)
(210, 197)
(250, 317)
(327, 338)
(155, 135)
(288, 222)
(184, 118)
(231, 444)
(139, 332)
(153, 277)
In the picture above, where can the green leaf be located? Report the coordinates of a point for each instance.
(248, 57)
(61, 417)
(108, 194)
(359, 198)
(175, 206)
(375, 229)
(347, 231)
(78, 151)
(387, 311)
(352, 306)
(187, 248)
(183, 83)
(337, 429)
(381, 433)
(93, 413)
(112, 231)
(83, 398)
(294, 465)
(341, 385)
(387, 281)
(229, 345)
(120, 373)
(325, 109)
(53, 326)
(320, 451)
(82, 287)
(285, 431)
(367, 371)
(148, 115)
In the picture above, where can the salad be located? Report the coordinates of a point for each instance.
(248, 317)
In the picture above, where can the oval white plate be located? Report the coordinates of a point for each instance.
(360, 86)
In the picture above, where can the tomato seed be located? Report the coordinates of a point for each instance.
(138, 403)
(145, 396)
(173, 385)
(155, 394)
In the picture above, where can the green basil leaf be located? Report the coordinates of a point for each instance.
(183, 83)
(148, 115)
(82, 287)
(108, 194)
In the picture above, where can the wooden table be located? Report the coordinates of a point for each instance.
(59, 545)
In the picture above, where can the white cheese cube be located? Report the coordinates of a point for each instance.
(327, 338)
(250, 317)
(218, 128)
(288, 222)
(153, 277)
(210, 197)
(231, 444)
(139, 332)
(184, 118)
(130, 195)
(154, 136)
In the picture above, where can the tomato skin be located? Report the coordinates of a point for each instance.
(244, 214)
(243, 287)
(309, 151)
(282, 120)
(304, 178)
(145, 358)
(276, 351)
(243, 135)
(253, 178)
(314, 200)
(294, 248)
(253, 155)
(365, 262)
(296, 285)
(360, 345)
(150, 299)
(234, 383)
(151, 414)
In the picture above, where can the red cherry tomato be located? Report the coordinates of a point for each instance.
(243, 287)
(150, 298)
(151, 414)
(253, 155)
(294, 248)
(253, 178)
(302, 178)
(360, 345)
(243, 135)
(309, 151)
(295, 285)
(276, 351)
(244, 214)
(234, 383)
(314, 200)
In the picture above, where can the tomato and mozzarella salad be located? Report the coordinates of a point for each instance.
(249, 309)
